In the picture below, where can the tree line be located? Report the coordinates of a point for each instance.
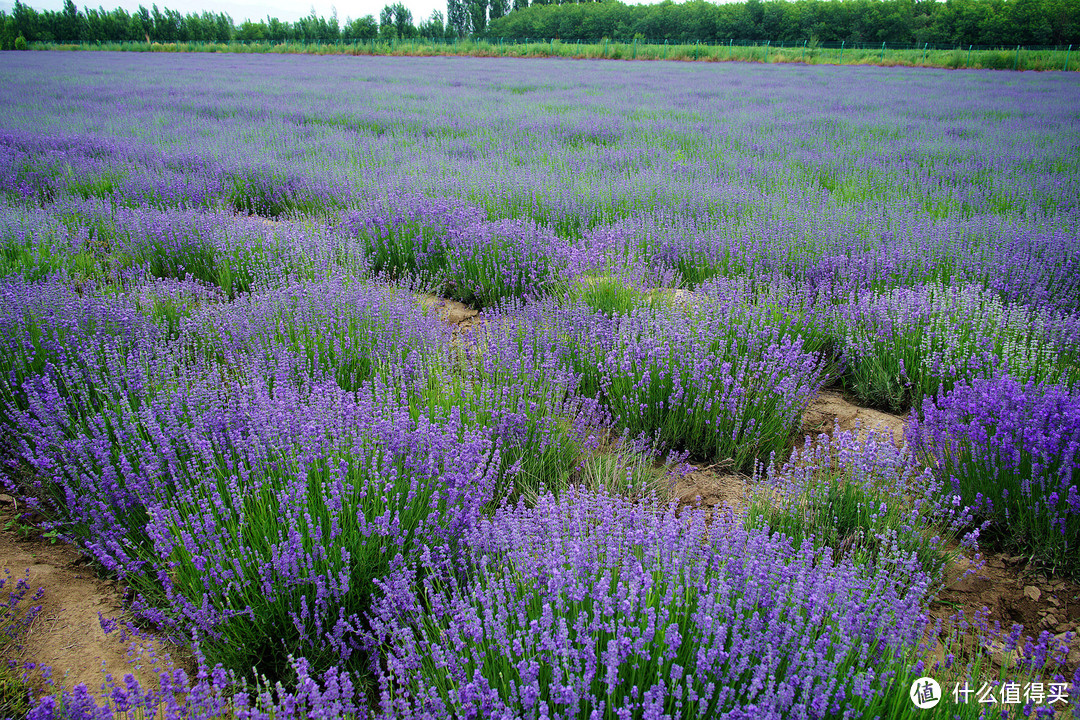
(72, 25)
(896, 22)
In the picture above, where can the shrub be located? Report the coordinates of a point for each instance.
(1011, 450)
(907, 344)
(863, 499)
(273, 545)
(590, 604)
(719, 379)
(490, 262)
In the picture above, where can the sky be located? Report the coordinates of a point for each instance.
(239, 10)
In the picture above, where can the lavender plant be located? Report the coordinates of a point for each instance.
(509, 385)
(593, 606)
(1010, 449)
(410, 238)
(272, 549)
(716, 380)
(490, 262)
(861, 499)
(908, 344)
(15, 690)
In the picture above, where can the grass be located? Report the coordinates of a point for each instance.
(954, 58)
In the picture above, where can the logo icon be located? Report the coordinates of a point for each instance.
(925, 693)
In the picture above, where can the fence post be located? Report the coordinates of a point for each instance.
(696, 48)
(842, 44)
(730, 44)
(1016, 62)
(665, 51)
(803, 58)
(925, 45)
(968, 63)
(633, 56)
(767, 50)
(882, 52)
(1067, 53)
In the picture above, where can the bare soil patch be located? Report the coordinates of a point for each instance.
(452, 312)
(711, 487)
(1015, 592)
(67, 636)
(836, 409)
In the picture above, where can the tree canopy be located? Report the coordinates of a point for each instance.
(897, 22)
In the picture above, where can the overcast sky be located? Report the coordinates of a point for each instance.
(240, 10)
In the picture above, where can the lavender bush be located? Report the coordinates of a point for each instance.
(908, 344)
(717, 380)
(863, 498)
(593, 606)
(489, 262)
(15, 690)
(272, 550)
(1011, 450)
(509, 385)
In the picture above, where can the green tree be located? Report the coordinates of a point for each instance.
(433, 27)
(477, 14)
(364, 28)
(457, 17)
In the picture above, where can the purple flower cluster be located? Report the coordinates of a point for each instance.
(590, 604)
(910, 343)
(1011, 450)
(863, 497)
(718, 378)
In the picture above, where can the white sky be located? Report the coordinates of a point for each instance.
(239, 10)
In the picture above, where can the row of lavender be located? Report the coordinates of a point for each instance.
(284, 455)
(303, 472)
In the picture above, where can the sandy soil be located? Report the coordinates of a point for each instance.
(837, 409)
(67, 636)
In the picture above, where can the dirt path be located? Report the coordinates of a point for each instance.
(67, 636)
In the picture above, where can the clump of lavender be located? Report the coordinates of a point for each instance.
(409, 237)
(52, 334)
(15, 619)
(339, 328)
(489, 262)
(593, 606)
(719, 378)
(863, 498)
(1011, 450)
(212, 694)
(289, 509)
(509, 384)
(907, 344)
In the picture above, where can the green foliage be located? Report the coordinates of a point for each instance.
(856, 22)
(958, 23)
(861, 499)
(909, 344)
(624, 470)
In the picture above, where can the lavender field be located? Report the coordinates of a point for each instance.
(222, 376)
